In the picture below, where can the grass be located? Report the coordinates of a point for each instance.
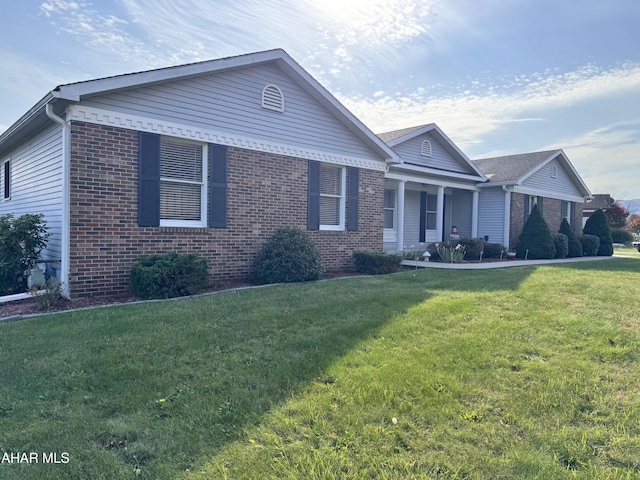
(509, 373)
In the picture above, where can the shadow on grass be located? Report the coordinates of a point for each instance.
(160, 388)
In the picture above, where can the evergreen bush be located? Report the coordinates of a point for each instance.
(590, 244)
(597, 225)
(494, 250)
(376, 263)
(21, 242)
(472, 247)
(535, 241)
(561, 242)
(168, 275)
(619, 235)
(574, 245)
(288, 256)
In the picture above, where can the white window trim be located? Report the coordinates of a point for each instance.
(394, 209)
(202, 223)
(342, 197)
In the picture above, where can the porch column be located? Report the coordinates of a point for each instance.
(507, 217)
(440, 208)
(400, 219)
(474, 215)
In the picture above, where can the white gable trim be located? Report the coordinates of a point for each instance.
(547, 194)
(122, 120)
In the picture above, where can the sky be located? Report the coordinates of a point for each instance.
(499, 76)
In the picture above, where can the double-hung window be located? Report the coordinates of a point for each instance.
(183, 175)
(332, 197)
(389, 209)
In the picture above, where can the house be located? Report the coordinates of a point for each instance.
(434, 189)
(600, 201)
(208, 158)
(518, 182)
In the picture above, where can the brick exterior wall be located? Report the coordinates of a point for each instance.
(265, 192)
(551, 212)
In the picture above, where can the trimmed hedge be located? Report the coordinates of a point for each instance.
(376, 263)
(494, 250)
(621, 236)
(573, 243)
(597, 225)
(472, 247)
(288, 256)
(590, 244)
(561, 242)
(535, 241)
(169, 275)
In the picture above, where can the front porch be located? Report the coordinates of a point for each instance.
(421, 213)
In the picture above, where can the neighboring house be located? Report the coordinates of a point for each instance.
(434, 189)
(600, 201)
(208, 158)
(517, 183)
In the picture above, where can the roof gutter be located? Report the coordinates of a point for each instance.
(66, 232)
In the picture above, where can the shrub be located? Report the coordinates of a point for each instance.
(168, 275)
(494, 250)
(535, 241)
(472, 247)
(590, 244)
(597, 225)
(21, 241)
(573, 244)
(451, 254)
(376, 263)
(561, 242)
(288, 256)
(621, 236)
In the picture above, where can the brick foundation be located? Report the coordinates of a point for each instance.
(265, 192)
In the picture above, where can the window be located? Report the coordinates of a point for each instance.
(533, 201)
(567, 211)
(432, 212)
(6, 178)
(332, 183)
(425, 148)
(272, 98)
(389, 209)
(182, 183)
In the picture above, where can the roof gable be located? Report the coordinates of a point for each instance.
(527, 169)
(445, 156)
(69, 94)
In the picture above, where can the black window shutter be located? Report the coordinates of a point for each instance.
(218, 186)
(148, 179)
(540, 204)
(313, 202)
(563, 211)
(526, 208)
(423, 216)
(352, 205)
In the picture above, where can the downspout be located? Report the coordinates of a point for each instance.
(507, 216)
(66, 233)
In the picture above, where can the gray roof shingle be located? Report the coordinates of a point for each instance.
(511, 168)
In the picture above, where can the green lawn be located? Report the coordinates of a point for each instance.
(525, 372)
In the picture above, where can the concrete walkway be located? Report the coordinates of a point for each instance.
(503, 264)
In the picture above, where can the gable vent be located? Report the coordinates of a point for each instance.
(272, 98)
(425, 149)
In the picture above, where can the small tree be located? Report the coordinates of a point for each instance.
(597, 225)
(634, 223)
(616, 215)
(535, 241)
(574, 245)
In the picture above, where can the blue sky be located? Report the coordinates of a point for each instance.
(498, 76)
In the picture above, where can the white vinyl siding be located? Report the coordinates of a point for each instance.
(36, 184)
(182, 183)
(491, 214)
(561, 186)
(440, 158)
(332, 197)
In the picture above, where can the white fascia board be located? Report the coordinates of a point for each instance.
(402, 177)
(440, 173)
